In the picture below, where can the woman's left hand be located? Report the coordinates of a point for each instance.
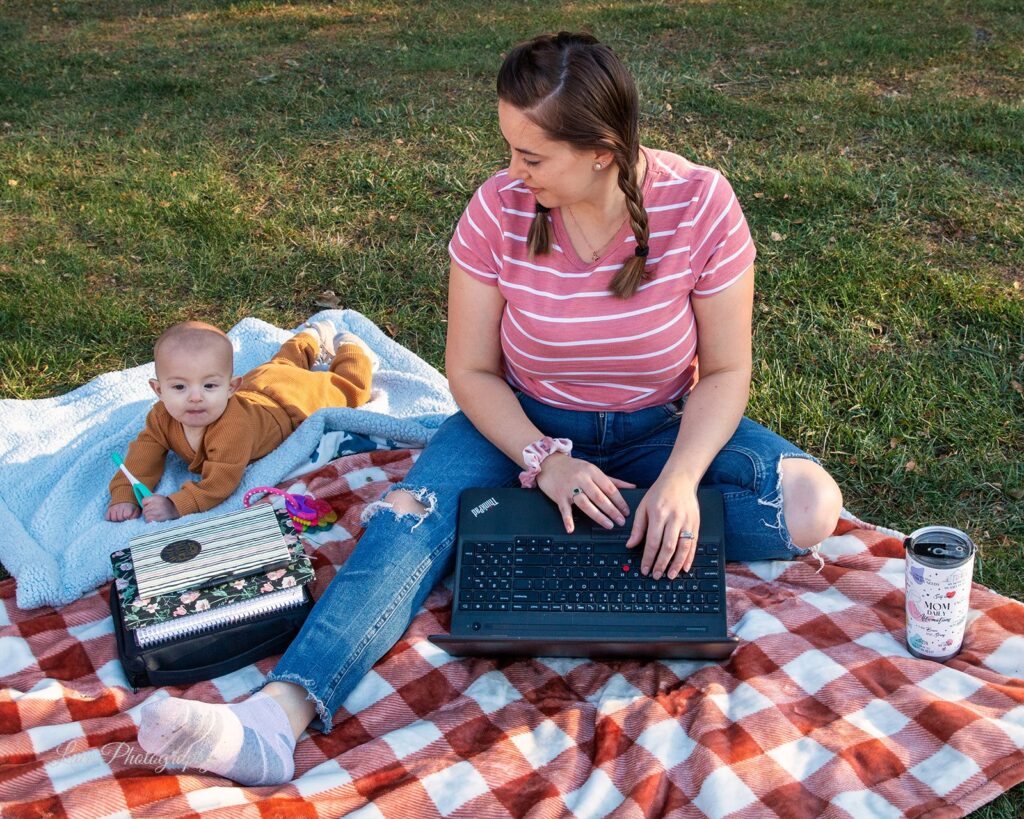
(667, 522)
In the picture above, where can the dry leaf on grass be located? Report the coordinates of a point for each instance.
(328, 299)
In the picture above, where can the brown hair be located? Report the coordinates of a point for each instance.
(577, 91)
(195, 336)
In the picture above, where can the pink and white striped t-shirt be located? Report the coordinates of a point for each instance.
(566, 339)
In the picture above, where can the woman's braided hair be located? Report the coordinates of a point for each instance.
(577, 91)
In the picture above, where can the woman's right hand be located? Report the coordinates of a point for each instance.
(598, 496)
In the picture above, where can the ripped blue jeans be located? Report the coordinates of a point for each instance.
(399, 559)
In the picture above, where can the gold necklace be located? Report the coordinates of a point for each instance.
(594, 254)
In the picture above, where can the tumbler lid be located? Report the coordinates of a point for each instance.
(940, 546)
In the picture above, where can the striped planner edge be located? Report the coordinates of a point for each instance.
(209, 552)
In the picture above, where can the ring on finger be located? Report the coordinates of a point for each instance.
(686, 535)
(576, 491)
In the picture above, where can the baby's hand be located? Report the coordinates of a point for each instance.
(118, 512)
(158, 507)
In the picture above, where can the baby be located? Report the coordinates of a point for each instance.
(219, 423)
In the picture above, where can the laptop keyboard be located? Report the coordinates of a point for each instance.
(542, 574)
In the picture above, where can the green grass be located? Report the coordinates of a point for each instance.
(165, 160)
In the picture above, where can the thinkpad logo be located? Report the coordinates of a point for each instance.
(483, 507)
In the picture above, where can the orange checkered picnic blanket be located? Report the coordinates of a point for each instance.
(821, 711)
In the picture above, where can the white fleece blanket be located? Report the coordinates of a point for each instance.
(55, 455)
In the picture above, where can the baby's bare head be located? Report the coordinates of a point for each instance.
(192, 338)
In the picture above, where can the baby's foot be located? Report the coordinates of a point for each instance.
(324, 332)
(250, 742)
(352, 338)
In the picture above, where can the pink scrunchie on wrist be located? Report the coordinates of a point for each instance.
(534, 455)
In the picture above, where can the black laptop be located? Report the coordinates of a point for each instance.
(525, 587)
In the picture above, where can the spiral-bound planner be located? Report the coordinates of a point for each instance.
(180, 613)
(215, 618)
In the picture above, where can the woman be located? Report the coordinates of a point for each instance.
(586, 282)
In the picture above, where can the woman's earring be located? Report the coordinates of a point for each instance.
(598, 166)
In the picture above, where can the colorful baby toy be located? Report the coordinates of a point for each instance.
(305, 511)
